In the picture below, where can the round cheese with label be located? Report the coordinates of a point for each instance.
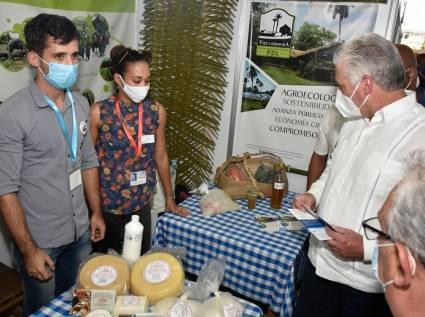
(157, 275)
(105, 272)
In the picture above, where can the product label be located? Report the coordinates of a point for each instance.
(232, 310)
(103, 299)
(279, 186)
(104, 275)
(157, 271)
(134, 237)
(181, 308)
(130, 300)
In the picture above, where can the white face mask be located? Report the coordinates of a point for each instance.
(135, 93)
(346, 106)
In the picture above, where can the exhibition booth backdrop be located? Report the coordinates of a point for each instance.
(278, 84)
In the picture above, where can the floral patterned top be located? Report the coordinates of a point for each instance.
(118, 158)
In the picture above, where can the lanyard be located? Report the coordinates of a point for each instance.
(72, 143)
(137, 148)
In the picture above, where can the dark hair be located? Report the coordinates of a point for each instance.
(44, 25)
(121, 56)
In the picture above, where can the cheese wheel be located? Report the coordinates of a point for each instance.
(157, 275)
(105, 272)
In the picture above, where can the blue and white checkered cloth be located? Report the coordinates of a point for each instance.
(260, 265)
(61, 306)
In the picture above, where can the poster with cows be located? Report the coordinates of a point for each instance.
(100, 28)
(287, 82)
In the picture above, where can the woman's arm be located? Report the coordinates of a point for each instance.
(163, 164)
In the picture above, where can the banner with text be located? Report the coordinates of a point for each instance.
(101, 25)
(288, 79)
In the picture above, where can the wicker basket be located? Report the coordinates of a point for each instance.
(250, 164)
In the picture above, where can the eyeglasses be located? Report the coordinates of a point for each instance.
(372, 229)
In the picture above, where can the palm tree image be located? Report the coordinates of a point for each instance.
(274, 23)
(253, 73)
(339, 10)
(257, 88)
(259, 84)
(277, 17)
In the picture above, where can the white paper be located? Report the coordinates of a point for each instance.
(148, 138)
(273, 226)
(75, 179)
(301, 215)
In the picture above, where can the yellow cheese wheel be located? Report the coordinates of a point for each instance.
(157, 275)
(105, 272)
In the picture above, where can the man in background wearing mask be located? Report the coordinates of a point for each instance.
(408, 57)
(47, 165)
(333, 120)
(365, 166)
(421, 75)
(399, 256)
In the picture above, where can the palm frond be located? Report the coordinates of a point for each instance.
(190, 42)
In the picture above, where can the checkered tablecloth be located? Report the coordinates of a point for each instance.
(61, 306)
(261, 266)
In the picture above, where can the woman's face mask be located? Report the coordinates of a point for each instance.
(135, 93)
(346, 105)
(375, 264)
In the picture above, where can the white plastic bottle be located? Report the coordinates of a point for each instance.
(132, 240)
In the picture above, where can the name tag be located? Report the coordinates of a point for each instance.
(75, 179)
(149, 138)
(137, 178)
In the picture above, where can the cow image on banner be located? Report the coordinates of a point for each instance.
(100, 28)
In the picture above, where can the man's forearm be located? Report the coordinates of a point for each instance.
(91, 187)
(13, 216)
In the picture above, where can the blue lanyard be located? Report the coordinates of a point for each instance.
(71, 143)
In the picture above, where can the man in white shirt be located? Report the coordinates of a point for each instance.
(332, 122)
(364, 167)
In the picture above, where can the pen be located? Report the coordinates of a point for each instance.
(316, 216)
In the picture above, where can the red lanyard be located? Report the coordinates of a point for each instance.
(137, 148)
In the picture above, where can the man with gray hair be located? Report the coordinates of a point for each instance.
(365, 166)
(398, 260)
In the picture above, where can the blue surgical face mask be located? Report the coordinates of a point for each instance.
(375, 264)
(61, 76)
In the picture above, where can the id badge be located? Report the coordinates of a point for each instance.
(148, 138)
(75, 179)
(137, 178)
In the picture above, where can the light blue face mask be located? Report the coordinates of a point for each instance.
(61, 76)
(375, 265)
(375, 257)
